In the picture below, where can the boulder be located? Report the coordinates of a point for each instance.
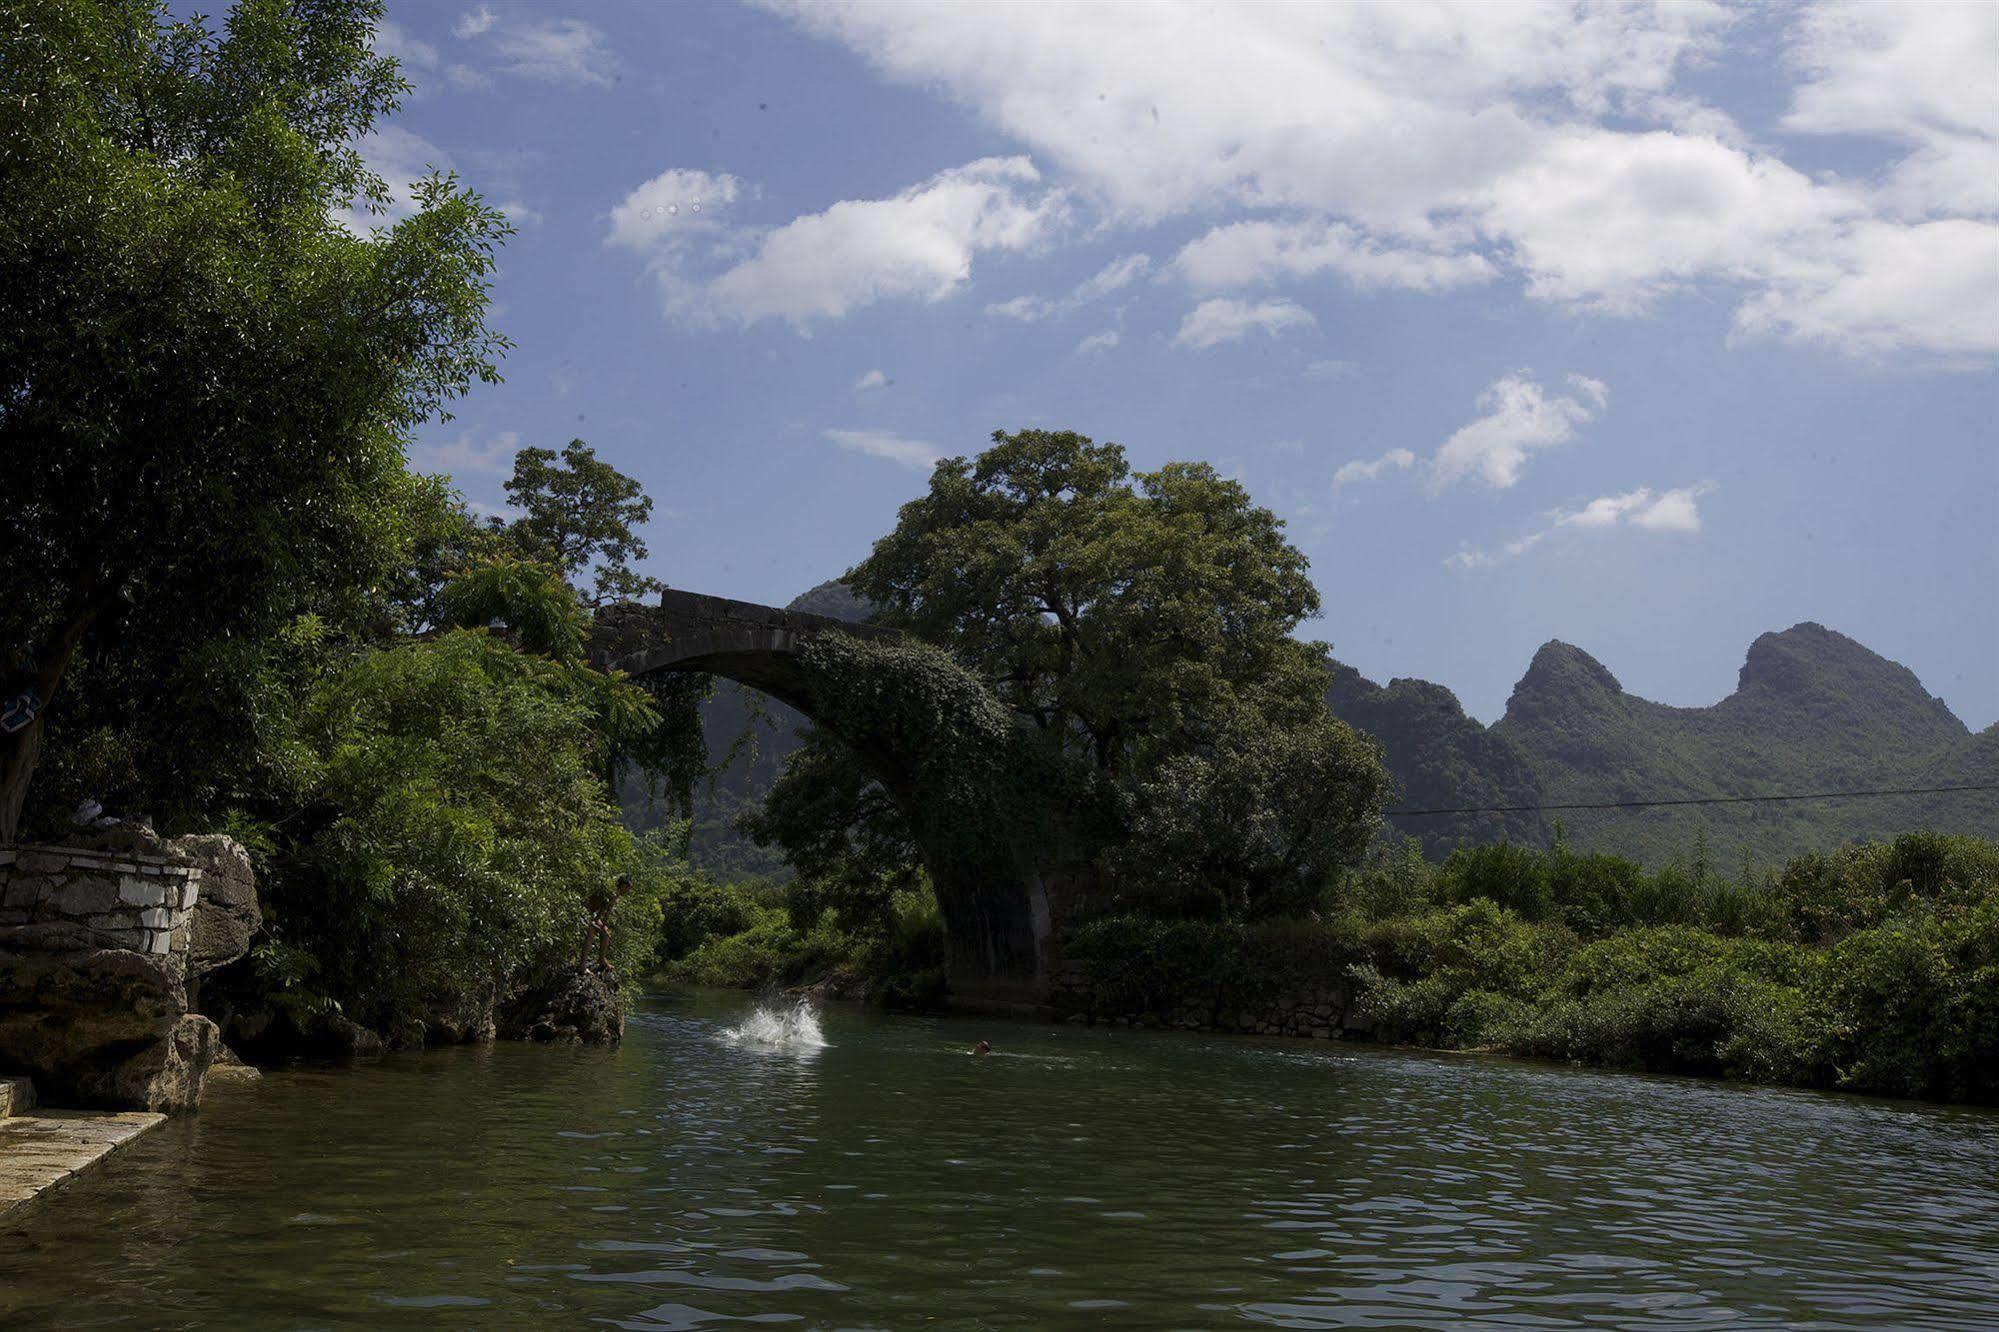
(226, 914)
(574, 1006)
(100, 1026)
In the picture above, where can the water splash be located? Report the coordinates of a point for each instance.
(775, 1026)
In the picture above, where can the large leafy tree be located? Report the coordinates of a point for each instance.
(1141, 624)
(204, 377)
(1124, 614)
(582, 515)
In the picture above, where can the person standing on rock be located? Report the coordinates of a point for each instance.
(601, 902)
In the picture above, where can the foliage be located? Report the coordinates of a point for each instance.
(1121, 614)
(1119, 687)
(208, 372)
(1255, 824)
(581, 515)
(450, 814)
(1899, 996)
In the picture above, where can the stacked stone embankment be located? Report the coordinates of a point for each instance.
(145, 904)
(100, 949)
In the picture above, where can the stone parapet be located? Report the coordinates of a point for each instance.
(116, 899)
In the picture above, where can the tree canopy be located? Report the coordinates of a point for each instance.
(1124, 613)
(1141, 626)
(204, 376)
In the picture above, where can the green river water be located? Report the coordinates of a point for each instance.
(722, 1169)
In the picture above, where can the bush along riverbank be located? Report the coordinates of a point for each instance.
(1870, 969)
(884, 947)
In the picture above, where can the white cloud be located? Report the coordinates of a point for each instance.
(465, 78)
(1399, 459)
(1222, 320)
(474, 23)
(494, 457)
(1246, 254)
(1098, 343)
(917, 245)
(1614, 221)
(392, 39)
(912, 453)
(1671, 511)
(1114, 276)
(1655, 511)
(1909, 71)
(672, 208)
(1428, 146)
(520, 214)
(1520, 418)
(1371, 110)
(1322, 371)
(559, 51)
(1885, 287)
(873, 379)
(401, 159)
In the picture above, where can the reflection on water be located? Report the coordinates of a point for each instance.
(877, 1177)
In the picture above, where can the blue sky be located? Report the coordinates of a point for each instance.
(1649, 328)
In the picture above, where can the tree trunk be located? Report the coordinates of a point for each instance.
(20, 751)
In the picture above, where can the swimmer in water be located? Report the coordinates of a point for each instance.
(982, 1048)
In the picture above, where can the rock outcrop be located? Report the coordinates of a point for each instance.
(576, 1006)
(96, 1026)
(102, 945)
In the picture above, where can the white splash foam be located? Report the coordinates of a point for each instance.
(776, 1027)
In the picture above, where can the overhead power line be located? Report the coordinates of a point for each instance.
(1693, 800)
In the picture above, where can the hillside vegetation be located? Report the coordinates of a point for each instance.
(1813, 710)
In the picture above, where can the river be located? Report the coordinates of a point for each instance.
(719, 1169)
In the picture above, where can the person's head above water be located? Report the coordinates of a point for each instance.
(982, 1048)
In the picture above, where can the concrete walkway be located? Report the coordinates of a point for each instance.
(43, 1148)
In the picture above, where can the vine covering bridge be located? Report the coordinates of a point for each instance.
(999, 889)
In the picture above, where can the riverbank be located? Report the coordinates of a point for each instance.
(42, 1150)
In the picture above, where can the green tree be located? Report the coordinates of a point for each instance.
(1140, 625)
(204, 378)
(1124, 614)
(582, 515)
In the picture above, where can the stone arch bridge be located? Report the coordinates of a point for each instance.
(1002, 908)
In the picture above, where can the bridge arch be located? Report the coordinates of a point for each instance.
(996, 903)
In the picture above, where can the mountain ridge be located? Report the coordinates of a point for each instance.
(1813, 710)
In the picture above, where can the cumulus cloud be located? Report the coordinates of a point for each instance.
(912, 453)
(676, 205)
(1244, 254)
(401, 159)
(468, 454)
(412, 52)
(873, 379)
(520, 213)
(562, 51)
(1649, 510)
(1114, 276)
(1429, 147)
(1921, 75)
(1399, 459)
(556, 51)
(1222, 320)
(1520, 418)
(474, 23)
(1098, 343)
(916, 245)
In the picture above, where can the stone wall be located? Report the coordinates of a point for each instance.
(115, 899)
